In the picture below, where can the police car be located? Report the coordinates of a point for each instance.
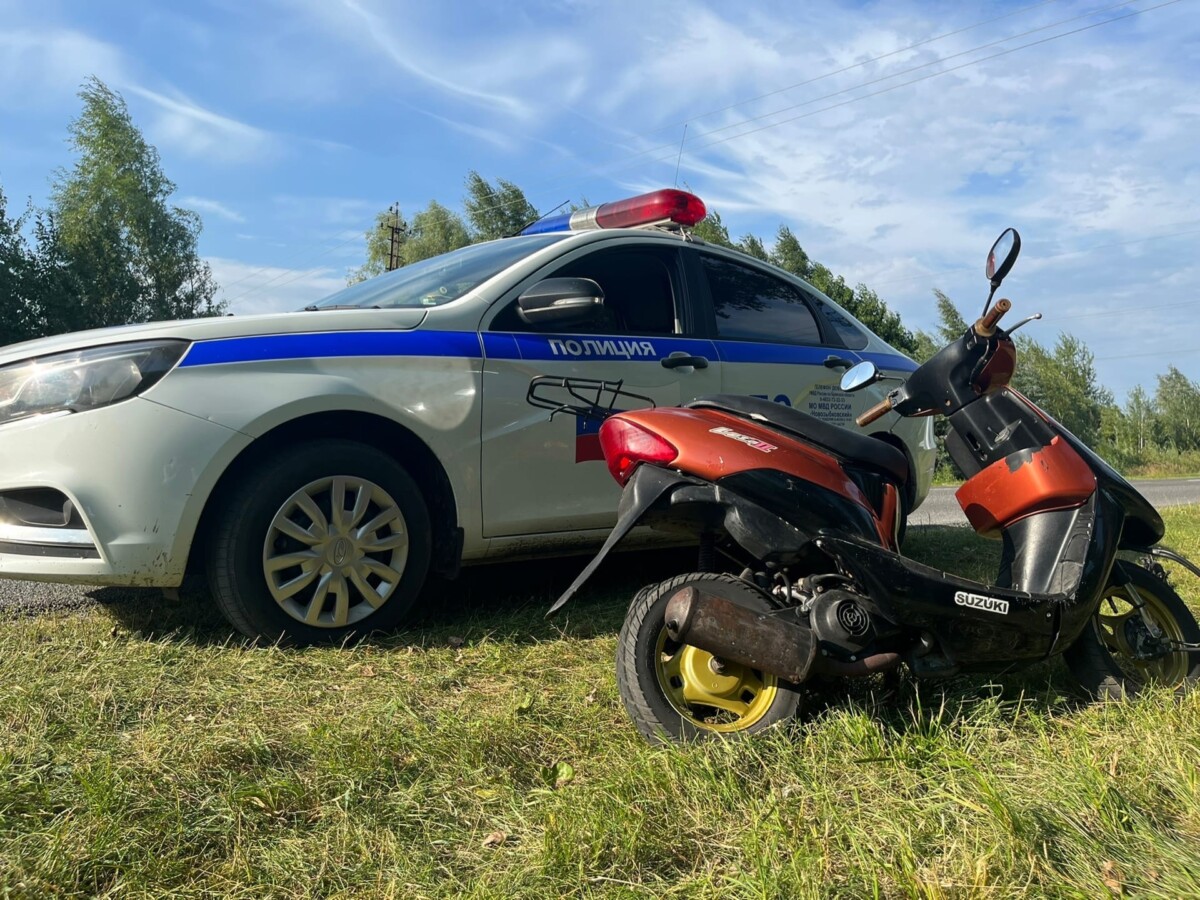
(319, 464)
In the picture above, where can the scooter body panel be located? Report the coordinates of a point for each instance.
(792, 475)
(1024, 483)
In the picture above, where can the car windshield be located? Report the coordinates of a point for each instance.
(432, 282)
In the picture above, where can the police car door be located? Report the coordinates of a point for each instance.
(772, 344)
(544, 476)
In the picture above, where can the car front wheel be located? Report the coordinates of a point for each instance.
(330, 539)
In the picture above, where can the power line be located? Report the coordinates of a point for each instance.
(611, 170)
(965, 65)
(925, 65)
(293, 255)
(821, 77)
(857, 65)
(932, 75)
(305, 273)
(745, 121)
(1151, 353)
(1065, 253)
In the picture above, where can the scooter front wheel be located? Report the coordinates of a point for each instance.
(677, 692)
(1118, 654)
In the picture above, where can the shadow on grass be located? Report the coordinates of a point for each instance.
(507, 602)
(503, 601)
(904, 706)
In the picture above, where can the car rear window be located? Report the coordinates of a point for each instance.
(852, 335)
(754, 306)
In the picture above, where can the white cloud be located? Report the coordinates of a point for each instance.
(193, 130)
(252, 289)
(497, 138)
(215, 207)
(414, 59)
(309, 213)
(41, 66)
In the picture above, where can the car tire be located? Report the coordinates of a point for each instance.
(285, 566)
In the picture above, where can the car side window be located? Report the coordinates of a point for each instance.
(639, 292)
(751, 305)
(852, 336)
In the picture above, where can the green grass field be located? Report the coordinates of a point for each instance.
(144, 752)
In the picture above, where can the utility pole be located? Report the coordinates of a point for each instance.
(395, 237)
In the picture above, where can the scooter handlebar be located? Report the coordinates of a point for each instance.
(881, 408)
(985, 327)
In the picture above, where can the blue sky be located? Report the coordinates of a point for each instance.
(288, 123)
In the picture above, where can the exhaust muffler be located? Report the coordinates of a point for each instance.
(732, 632)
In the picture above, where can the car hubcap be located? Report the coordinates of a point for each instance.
(716, 695)
(335, 551)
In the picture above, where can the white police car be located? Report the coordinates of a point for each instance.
(320, 463)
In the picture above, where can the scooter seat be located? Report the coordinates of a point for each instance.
(848, 445)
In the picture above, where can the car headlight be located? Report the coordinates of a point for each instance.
(84, 379)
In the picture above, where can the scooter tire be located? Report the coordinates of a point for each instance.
(1091, 661)
(645, 680)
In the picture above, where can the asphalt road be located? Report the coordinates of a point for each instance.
(940, 508)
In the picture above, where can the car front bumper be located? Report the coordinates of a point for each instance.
(137, 474)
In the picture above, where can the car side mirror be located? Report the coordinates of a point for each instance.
(561, 302)
(858, 377)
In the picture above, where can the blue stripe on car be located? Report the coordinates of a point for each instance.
(507, 345)
(893, 361)
(601, 347)
(333, 343)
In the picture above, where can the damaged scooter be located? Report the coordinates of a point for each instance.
(806, 512)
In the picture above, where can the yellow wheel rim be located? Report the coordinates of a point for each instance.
(712, 695)
(1122, 626)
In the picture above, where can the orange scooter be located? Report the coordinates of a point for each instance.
(800, 573)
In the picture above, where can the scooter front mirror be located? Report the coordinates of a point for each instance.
(860, 376)
(1005, 250)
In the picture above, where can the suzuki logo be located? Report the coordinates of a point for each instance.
(979, 601)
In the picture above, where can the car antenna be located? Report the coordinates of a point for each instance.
(538, 219)
(679, 158)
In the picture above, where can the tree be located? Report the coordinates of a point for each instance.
(131, 254)
(496, 211)
(712, 230)
(1063, 383)
(379, 244)
(950, 327)
(1177, 400)
(1140, 421)
(18, 269)
(752, 246)
(789, 255)
(868, 308)
(434, 230)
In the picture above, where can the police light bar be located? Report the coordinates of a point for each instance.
(665, 207)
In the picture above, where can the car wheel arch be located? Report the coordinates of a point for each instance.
(376, 431)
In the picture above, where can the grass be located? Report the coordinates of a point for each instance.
(1156, 464)
(144, 751)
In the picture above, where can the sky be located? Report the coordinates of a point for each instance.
(895, 139)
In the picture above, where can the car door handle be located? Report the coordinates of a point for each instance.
(835, 362)
(679, 358)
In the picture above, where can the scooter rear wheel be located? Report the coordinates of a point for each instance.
(675, 692)
(1116, 656)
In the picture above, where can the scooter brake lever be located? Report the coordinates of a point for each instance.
(1025, 321)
